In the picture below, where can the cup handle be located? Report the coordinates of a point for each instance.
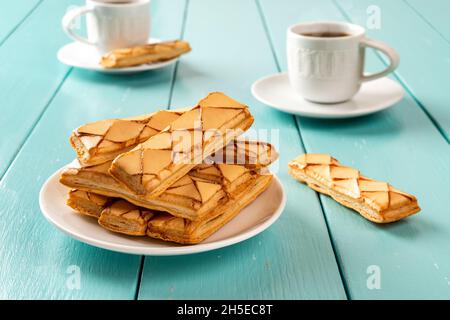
(390, 52)
(68, 19)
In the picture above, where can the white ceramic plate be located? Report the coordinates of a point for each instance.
(253, 219)
(79, 55)
(374, 96)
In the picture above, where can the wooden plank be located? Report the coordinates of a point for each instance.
(30, 74)
(435, 12)
(35, 255)
(12, 14)
(399, 145)
(294, 258)
(425, 63)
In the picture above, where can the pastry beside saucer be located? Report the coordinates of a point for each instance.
(83, 56)
(143, 54)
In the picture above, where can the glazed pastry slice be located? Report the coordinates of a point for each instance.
(148, 53)
(88, 204)
(169, 228)
(101, 141)
(124, 217)
(153, 166)
(375, 200)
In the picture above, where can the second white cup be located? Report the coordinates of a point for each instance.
(111, 25)
(326, 60)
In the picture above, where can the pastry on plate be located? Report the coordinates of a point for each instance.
(123, 217)
(88, 204)
(102, 141)
(147, 53)
(376, 201)
(99, 142)
(169, 228)
(154, 165)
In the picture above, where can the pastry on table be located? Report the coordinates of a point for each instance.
(126, 218)
(154, 165)
(190, 197)
(375, 200)
(147, 53)
(102, 141)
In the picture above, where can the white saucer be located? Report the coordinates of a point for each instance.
(374, 96)
(79, 55)
(253, 219)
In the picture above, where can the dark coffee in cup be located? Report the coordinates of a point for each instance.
(328, 34)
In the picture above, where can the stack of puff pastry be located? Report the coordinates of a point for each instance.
(176, 175)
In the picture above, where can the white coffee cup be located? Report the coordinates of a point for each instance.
(111, 24)
(330, 69)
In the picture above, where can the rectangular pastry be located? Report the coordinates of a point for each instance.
(375, 200)
(192, 196)
(126, 218)
(147, 53)
(154, 165)
(102, 141)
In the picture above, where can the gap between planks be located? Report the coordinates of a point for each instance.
(34, 125)
(28, 14)
(172, 85)
(297, 124)
(431, 25)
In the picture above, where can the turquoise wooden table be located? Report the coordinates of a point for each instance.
(318, 249)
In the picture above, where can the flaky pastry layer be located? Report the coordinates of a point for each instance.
(191, 197)
(126, 218)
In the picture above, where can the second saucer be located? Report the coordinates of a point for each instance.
(374, 96)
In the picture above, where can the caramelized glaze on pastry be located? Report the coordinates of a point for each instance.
(154, 165)
(101, 141)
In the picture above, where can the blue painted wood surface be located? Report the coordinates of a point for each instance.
(436, 15)
(317, 249)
